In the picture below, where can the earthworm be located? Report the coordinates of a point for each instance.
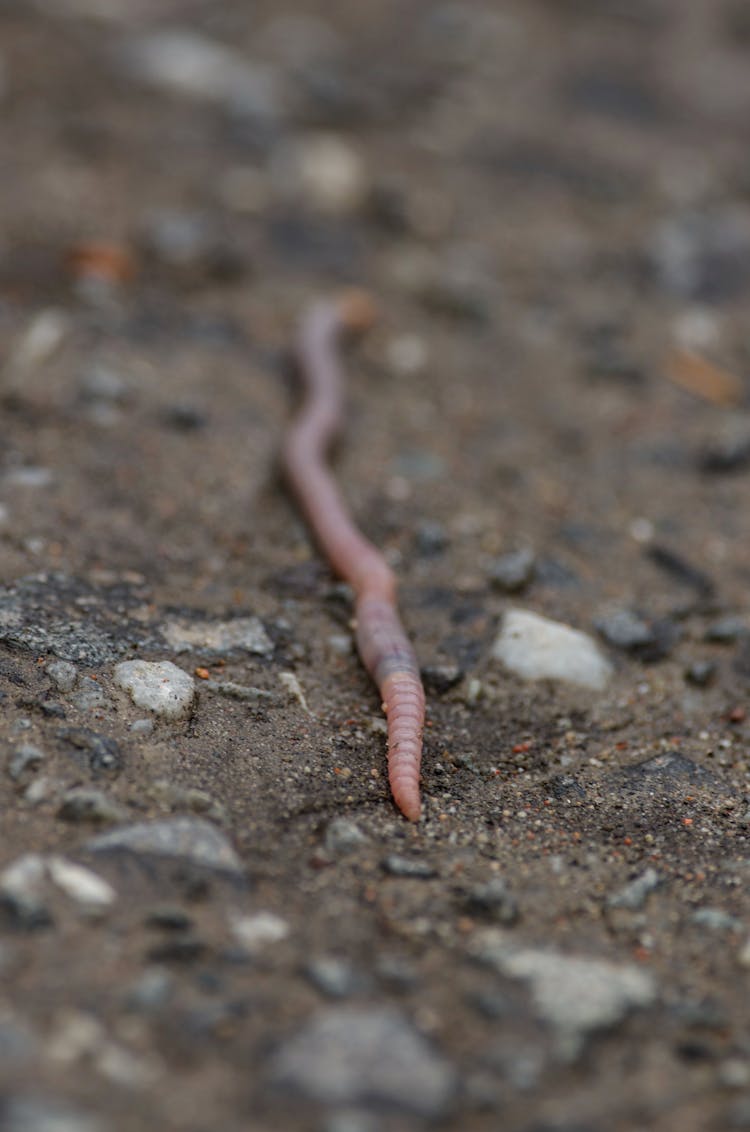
(382, 643)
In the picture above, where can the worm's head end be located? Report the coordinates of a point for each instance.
(357, 311)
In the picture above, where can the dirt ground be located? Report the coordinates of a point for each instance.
(550, 202)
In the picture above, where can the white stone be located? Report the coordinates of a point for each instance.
(81, 884)
(157, 686)
(23, 877)
(324, 171)
(536, 648)
(258, 931)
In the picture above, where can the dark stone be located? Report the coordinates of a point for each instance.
(184, 418)
(430, 538)
(650, 641)
(103, 754)
(512, 572)
(169, 919)
(180, 949)
(725, 631)
(440, 678)
(701, 673)
(681, 570)
(565, 788)
(726, 456)
(493, 901)
(622, 97)
(668, 774)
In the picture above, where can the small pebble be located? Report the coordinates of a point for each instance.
(81, 884)
(22, 889)
(323, 171)
(192, 65)
(493, 901)
(157, 686)
(343, 836)
(30, 476)
(142, 727)
(333, 977)
(245, 634)
(430, 538)
(84, 805)
(701, 673)
(258, 931)
(725, 631)
(25, 758)
(398, 866)
(193, 839)
(39, 341)
(536, 648)
(440, 678)
(634, 894)
(407, 355)
(63, 674)
(512, 572)
(90, 695)
(650, 641)
(102, 385)
(716, 920)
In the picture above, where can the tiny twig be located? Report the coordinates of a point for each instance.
(385, 649)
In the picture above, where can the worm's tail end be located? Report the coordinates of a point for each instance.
(403, 699)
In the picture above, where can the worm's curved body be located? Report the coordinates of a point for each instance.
(385, 649)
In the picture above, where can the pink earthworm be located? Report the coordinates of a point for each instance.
(383, 645)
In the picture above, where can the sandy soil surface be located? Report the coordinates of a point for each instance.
(217, 919)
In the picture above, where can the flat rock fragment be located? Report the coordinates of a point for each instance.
(157, 686)
(537, 648)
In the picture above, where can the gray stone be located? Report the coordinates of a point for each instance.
(399, 866)
(90, 695)
(82, 804)
(332, 976)
(25, 758)
(244, 634)
(725, 631)
(716, 920)
(23, 891)
(158, 686)
(186, 63)
(343, 836)
(576, 995)
(511, 573)
(493, 901)
(369, 1057)
(34, 1113)
(536, 648)
(626, 630)
(192, 839)
(63, 675)
(634, 894)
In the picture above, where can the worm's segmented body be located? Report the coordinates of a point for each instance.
(386, 651)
